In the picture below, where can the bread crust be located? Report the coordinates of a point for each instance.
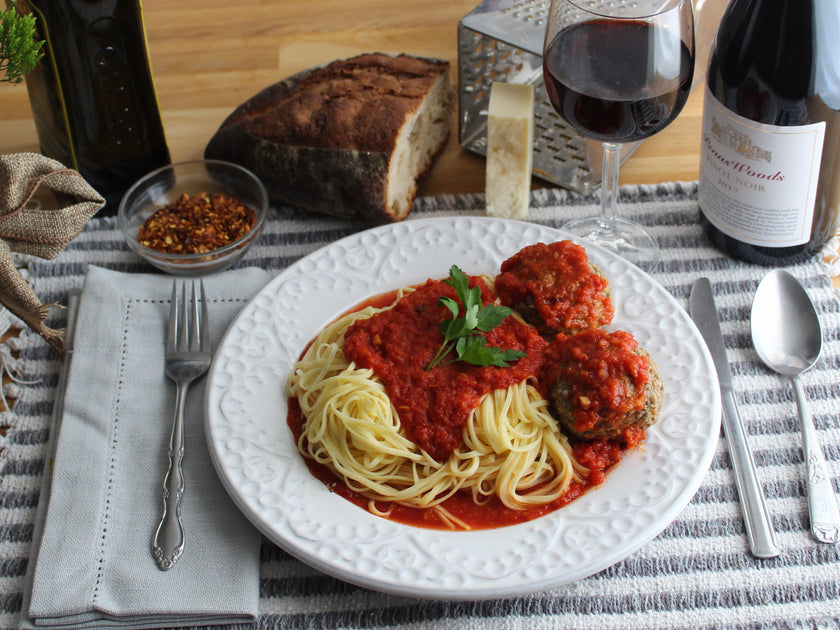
(323, 139)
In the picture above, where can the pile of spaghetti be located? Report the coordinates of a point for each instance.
(398, 433)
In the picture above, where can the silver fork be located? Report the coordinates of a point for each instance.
(187, 358)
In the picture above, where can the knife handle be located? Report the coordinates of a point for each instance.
(756, 518)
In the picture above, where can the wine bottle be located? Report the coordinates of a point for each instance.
(92, 94)
(770, 152)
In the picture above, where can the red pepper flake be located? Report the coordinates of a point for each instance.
(198, 224)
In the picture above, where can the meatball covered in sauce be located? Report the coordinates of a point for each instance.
(555, 288)
(602, 385)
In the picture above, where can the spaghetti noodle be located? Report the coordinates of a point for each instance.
(511, 446)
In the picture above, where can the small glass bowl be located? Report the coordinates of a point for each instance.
(168, 183)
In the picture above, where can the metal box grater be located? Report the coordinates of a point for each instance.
(502, 40)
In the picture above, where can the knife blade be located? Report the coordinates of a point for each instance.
(760, 533)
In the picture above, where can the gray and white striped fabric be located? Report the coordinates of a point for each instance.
(697, 574)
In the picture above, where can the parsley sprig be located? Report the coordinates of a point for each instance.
(464, 334)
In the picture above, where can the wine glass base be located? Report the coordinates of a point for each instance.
(625, 238)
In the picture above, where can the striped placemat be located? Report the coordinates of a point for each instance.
(697, 574)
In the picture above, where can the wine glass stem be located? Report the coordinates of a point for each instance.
(609, 185)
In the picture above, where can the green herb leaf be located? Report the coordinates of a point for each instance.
(491, 316)
(473, 350)
(19, 51)
(459, 281)
(463, 334)
(451, 304)
(503, 357)
(455, 328)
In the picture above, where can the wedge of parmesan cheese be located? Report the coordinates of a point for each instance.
(510, 139)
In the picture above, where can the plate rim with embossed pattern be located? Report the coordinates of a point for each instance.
(256, 459)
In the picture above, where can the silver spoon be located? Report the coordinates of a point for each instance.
(787, 335)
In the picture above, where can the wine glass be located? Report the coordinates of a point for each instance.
(618, 71)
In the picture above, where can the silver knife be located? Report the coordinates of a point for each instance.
(756, 518)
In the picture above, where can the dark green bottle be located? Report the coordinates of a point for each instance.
(92, 94)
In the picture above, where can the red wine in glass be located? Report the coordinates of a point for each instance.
(620, 95)
(618, 71)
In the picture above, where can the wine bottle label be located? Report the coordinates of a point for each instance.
(758, 182)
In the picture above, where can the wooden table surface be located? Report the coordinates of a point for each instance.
(210, 55)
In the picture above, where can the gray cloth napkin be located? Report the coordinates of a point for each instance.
(94, 567)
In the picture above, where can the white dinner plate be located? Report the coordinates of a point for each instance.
(258, 462)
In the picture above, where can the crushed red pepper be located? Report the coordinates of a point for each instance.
(197, 224)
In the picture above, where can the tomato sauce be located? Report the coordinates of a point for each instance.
(567, 293)
(434, 405)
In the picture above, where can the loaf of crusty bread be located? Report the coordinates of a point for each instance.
(348, 139)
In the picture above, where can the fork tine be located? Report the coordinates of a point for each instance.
(172, 324)
(183, 321)
(193, 318)
(204, 331)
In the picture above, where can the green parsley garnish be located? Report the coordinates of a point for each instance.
(465, 334)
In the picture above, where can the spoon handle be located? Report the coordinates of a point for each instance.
(822, 504)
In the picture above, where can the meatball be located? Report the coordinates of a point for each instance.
(602, 385)
(555, 288)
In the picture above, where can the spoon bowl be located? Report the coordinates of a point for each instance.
(787, 335)
(786, 331)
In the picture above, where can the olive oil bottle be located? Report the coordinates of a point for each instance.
(92, 94)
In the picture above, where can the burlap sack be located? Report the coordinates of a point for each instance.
(43, 206)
